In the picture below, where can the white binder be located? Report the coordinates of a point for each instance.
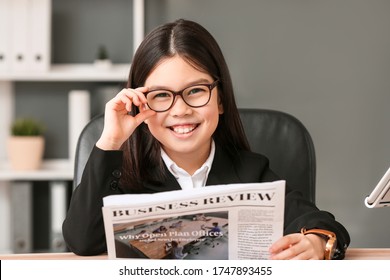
(58, 198)
(79, 116)
(5, 44)
(30, 35)
(39, 35)
(21, 215)
(19, 29)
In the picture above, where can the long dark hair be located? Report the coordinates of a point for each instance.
(193, 43)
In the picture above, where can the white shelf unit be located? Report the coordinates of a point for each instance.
(64, 73)
(55, 170)
(71, 73)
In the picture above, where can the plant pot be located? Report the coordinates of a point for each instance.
(103, 64)
(25, 152)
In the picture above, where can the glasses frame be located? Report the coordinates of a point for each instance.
(180, 93)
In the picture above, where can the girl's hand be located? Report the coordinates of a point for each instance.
(297, 246)
(118, 124)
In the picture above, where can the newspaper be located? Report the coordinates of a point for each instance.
(235, 221)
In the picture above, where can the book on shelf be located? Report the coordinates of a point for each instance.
(235, 221)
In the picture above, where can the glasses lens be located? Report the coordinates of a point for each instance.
(197, 96)
(194, 96)
(159, 100)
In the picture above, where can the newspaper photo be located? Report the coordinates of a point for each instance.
(234, 221)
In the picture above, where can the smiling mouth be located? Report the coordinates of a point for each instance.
(184, 129)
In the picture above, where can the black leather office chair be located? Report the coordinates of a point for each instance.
(277, 135)
(288, 145)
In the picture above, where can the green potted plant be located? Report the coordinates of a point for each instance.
(102, 60)
(26, 144)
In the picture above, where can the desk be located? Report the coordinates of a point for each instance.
(352, 254)
(368, 254)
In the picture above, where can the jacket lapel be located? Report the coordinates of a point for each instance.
(169, 184)
(222, 171)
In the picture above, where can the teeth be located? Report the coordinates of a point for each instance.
(183, 130)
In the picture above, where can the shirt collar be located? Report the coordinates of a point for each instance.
(176, 170)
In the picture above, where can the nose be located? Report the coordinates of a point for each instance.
(179, 108)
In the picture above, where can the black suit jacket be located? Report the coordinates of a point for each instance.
(83, 227)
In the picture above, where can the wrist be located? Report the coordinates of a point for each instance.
(329, 238)
(318, 244)
(107, 145)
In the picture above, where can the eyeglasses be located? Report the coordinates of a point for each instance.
(161, 100)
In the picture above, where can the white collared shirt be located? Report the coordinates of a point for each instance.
(185, 180)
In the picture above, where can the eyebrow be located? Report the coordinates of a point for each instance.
(192, 83)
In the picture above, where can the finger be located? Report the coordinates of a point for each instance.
(120, 99)
(142, 89)
(116, 104)
(295, 251)
(134, 97)
(138, 92)
(126, 101)
(144, 107)
(129, 97)
(285, 242)
(303, 255)
(144, 115)
(301, 250)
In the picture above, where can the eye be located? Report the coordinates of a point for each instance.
(195, 90)
(160, 94)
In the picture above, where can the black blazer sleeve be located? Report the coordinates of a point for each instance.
(83, 228)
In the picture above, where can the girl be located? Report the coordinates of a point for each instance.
(176, 126)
